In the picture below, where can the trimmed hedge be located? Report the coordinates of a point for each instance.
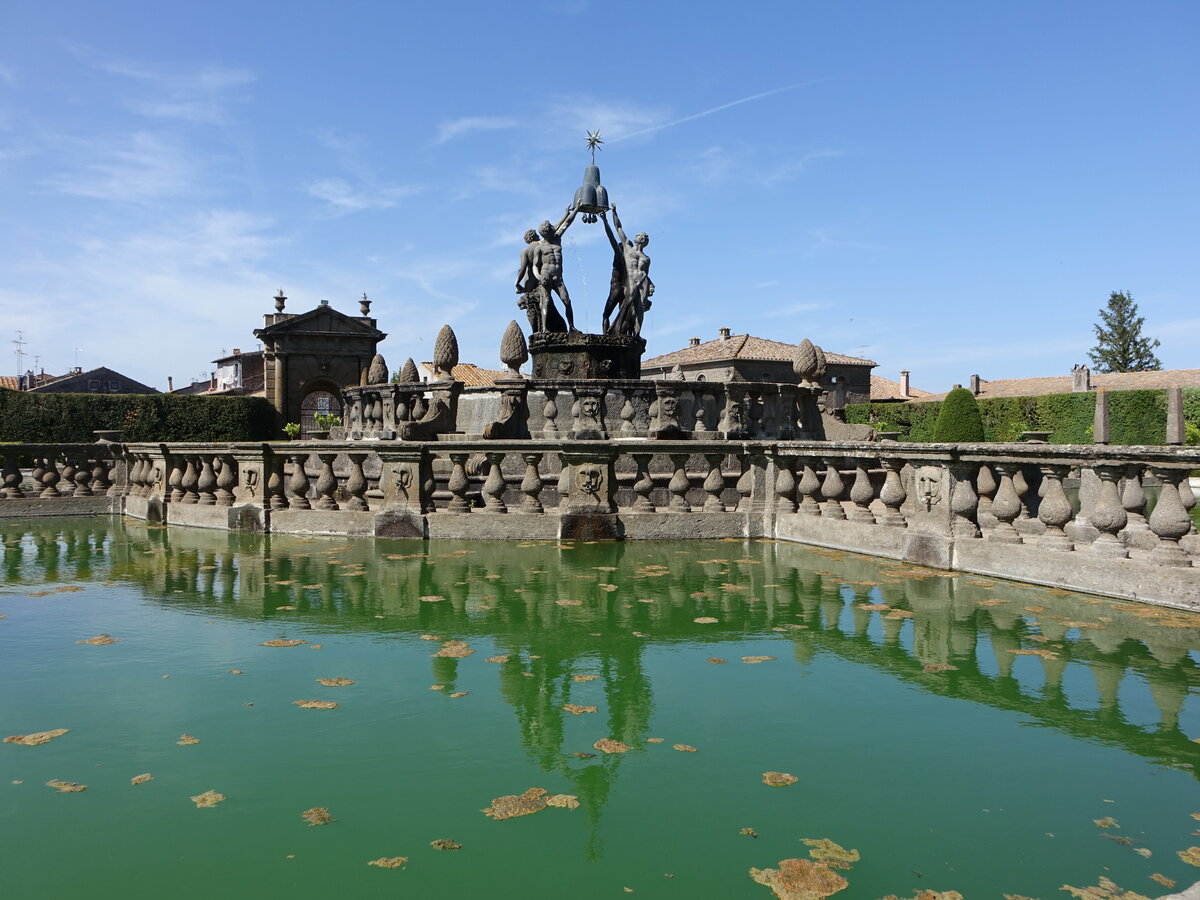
(36, 418)
(1136, 417)
(958, 420)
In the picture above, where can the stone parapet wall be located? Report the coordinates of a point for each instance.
(1102, 519)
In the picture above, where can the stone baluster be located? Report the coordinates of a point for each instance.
(327, 483)
(1055, 509)
(419, 407)
(755, 410)
(206, 485)
(401, 407)
(679, 484)
(1188, 497)
(627, 428)
(12, 476)
(1021, 487)
(50, 479)
(862, 492)
(1169, 520)
(745, 483)
(276, 492)
(1109, 515)
(831, 490)
(299, 483)
(226, 480)
(550, 414)
(643, 484)
(699, 411)
(175, 481)
(809, 488)
(714, 482)
(1136, 532)
(493, 484)
(134, 478)
(356, 484)
(68, 474)
(1006, 506)
(964, 502)
(892, 494)
(83, 478)
(784, 500)
(531, 485)
(35, 475)
(102, 482)
(457, 484)
(985, 489)
(188, 483)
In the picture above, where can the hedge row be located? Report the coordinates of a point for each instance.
(36, 417)
(1135, 417)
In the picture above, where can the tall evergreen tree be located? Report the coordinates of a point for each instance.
(1120, 345)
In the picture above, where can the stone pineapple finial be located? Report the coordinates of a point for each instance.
(408, 372)
(445, 352)
(804, 363)
(378, 373)
(513, 350)
(821, 364)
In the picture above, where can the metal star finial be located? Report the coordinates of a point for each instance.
(594, 140)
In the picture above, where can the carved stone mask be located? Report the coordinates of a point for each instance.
(590, 479)
(669, 406)
(589, 407)
(929, 486)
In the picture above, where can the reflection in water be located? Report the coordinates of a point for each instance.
(594, 609)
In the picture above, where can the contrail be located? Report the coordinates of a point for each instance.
(715, 109)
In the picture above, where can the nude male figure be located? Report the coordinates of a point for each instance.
(638, 286)
(548, 266)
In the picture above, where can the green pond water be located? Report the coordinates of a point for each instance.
(985, 778)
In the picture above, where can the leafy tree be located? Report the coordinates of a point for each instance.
(1120, 346)
(959, 420)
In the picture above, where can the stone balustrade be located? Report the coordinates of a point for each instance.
(1112, 520)
(63, 479)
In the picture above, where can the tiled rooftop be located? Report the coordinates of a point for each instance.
(741, 346)
(886, 389)
(1062, 384)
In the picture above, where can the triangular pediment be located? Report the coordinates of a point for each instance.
(324, 320)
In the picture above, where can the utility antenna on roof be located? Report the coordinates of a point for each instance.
(78, 350)
(20, 352)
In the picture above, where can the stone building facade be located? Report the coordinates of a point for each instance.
(309, 358)
(744, 357)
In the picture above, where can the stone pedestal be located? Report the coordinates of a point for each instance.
(575, 355)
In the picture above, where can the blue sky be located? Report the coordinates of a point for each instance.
(945, 187)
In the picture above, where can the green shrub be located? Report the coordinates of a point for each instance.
(35, 417)
(959, 420)
(1137, 417)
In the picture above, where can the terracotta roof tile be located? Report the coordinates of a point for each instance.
(742, 346)
(886, 389)
(1062, 384)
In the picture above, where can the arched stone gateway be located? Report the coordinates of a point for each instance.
(320, 399)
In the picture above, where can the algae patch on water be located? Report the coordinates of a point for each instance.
(207, 799)
(608, 745)
(389, 862)
(318, 815)
(779, 779)
(100, 640)
(141, 779)
(38, 737)
(445, 844)
(280, 642)
(575, 709)
(800, 879)
(315, 704)
(66, 787)
(335, 682)
(833, 855)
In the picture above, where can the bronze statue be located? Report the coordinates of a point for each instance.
(638, 288)
(543, 316)
(545, 264)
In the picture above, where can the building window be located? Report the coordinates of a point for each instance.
(114, 387)
(701, 378)
(94, 384)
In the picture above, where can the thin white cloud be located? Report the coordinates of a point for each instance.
(199, 96)
(7, 74)
(346, 198)
(457, 128)
(137, 168)
(792, 309)
(716, 109)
